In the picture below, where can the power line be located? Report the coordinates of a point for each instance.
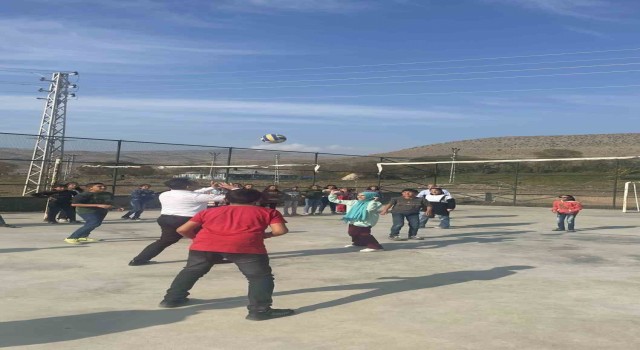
(442, 93)
(430, 62)
(413, 75)
(410, 81)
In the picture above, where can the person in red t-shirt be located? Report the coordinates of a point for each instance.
(233, 233)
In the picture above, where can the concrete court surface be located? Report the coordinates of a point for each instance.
(499, 279)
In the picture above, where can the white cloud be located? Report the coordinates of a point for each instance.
(591, 9)
(589, 32)
(332, 6)
(30, 41)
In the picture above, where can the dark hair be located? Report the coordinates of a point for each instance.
(266, 189)
(179, 183)
(243, 196)
(437, 188)
(91, 184)
(569, 197)
(409, 190)
(375, 188)
(144, 185)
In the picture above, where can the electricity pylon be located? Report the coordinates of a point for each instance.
(50, 140)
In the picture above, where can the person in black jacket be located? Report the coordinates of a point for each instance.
(59, 200)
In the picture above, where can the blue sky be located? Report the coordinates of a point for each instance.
(349, 76)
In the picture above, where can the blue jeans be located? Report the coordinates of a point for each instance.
(571, 221)
(312, 204)
(398, 222)
(137, 207)
(444, 220)
(92, 221)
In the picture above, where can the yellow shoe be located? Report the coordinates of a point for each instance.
(88, 240)
(72, 241)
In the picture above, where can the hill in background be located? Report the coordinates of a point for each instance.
(511, 147)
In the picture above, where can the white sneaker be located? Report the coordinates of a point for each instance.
(349, 246)
(369, 250)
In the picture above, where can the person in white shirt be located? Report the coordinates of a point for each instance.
(179, 205)
(423, 194)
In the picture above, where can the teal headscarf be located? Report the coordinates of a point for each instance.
(358, 212)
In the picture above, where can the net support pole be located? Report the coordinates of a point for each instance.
(380, 174)
(435, 176)
(315, 160)
(115, 170)
(515, 184)
(226, 174)
(615, 183)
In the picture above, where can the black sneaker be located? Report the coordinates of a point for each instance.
(138, 263)
(9, 226)
(269, 314)
(173, 303)
(558, 229)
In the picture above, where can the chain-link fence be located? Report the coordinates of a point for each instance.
(124, 165)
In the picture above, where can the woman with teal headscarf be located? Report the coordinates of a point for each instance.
(361, 215)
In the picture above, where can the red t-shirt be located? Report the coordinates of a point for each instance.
(234, 229)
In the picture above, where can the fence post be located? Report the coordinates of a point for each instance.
(435, 176)
(115, 170)
(315, 161)
(380, 174)
(615, 183)
(227, 178)
(515, 184)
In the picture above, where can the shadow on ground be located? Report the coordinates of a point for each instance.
(72, 327)
(424, 244)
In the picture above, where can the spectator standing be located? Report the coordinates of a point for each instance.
(139, 198)
(566, 208)
(324, 202)
(441, 205)
(292, 197)
(422, 194)
(60, 199)
(312, 200)
(271, 196)
(408, 207)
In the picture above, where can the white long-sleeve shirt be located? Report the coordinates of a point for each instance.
(186, 203)
(425, 193)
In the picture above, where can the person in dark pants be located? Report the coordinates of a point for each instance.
(93, 206)
(75, 188)
(362, 215)
(139, 197)
(406, 207)
(4, 223)
(271, 196)
(179, 205)
(324, 201)
(59, 200)
(235, 233)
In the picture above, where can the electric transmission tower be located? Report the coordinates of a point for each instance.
(452, 173)
(49, 149)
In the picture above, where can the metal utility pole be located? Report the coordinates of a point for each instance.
(214, 157)
(276, 174)
(68, 169)
(50, 140)
(452, 174)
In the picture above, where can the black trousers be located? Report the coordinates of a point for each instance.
(255, 267)
(54, 208)
(168, 226)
